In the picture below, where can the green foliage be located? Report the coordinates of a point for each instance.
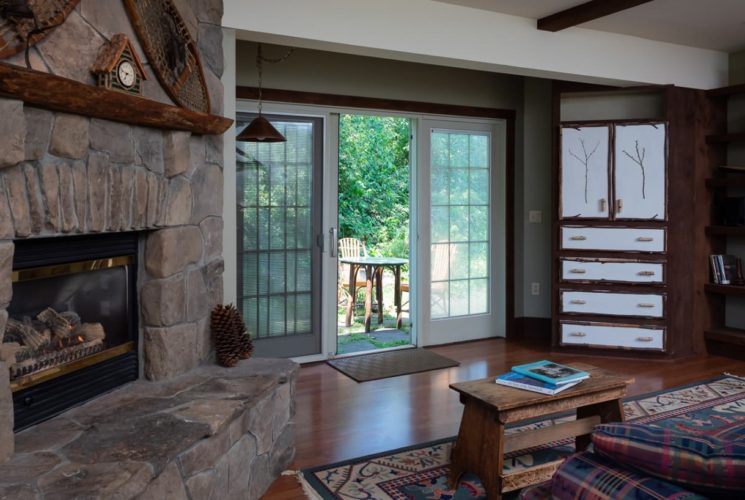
(374, 182)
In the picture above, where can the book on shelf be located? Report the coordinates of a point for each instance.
(553, 373)
(726, 270)
(520, 381)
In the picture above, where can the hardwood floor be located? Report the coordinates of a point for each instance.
(338, 419)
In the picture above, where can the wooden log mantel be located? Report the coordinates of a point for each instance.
(57, 93)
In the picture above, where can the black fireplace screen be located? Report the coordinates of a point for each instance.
(64, 316)
(72, 327)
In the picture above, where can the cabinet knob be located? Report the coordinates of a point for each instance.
(578, 238)
(578, 271)
(644, 339)
(645, 273)
(645, 305)
(645, 238)
(578, 334)
(577, 301)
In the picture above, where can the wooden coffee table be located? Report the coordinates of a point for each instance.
(481, 442)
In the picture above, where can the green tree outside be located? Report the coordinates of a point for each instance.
(374, 182)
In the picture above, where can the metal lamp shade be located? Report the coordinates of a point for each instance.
(260, 130)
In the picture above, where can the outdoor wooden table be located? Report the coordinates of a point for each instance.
(489, 407)
(373, 266)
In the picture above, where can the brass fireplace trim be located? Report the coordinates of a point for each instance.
(37, 273)
(37, 378)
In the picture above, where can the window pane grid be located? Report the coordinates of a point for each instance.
(459, 223)
(274, 195)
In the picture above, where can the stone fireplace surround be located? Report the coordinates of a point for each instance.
(187, 429)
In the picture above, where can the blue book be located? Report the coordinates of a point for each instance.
(550, 372)
(518, 381)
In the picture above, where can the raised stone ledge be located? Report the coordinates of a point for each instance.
(212, 433)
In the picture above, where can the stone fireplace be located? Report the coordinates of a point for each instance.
(110, 263)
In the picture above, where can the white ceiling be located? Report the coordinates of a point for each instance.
(707, 24)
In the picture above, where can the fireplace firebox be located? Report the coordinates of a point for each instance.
(72, 327)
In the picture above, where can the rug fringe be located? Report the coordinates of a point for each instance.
(307, 488)
(734, 376)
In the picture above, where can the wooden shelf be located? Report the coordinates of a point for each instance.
(726, 290)
(726, 91)
(56, 93)
(725, 138)
(725, 230)
(726, 335)
(733, 181)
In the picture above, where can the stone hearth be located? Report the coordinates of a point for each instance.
(212, 433)
(186, 429)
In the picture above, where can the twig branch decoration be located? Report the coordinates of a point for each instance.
(585, 161)
(639, 160)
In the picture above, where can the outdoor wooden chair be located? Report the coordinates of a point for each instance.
(351, 247)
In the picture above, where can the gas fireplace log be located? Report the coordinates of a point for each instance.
(91, 331)
(8, 351)
(27, 334)
(59, 324)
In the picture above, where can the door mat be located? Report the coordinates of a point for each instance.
(420, 472)
(390, 364)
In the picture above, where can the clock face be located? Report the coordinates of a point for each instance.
(126, 73)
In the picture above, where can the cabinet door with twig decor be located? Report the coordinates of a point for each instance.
(584, 172)
(639, 171)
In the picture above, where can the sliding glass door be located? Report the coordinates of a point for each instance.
(279, 212)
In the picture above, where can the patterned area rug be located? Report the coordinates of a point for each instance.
(390, 364)
(420, 472)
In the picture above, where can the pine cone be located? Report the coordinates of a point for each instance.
(227, 343)
(246, 344)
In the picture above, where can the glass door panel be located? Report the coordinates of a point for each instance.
(463, 230)
(279, 212)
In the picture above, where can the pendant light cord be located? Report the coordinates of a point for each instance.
(260, 60)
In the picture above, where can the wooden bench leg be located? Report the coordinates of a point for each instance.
(608, 411)
(479, 449)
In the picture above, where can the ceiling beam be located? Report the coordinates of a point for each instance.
(584, 13)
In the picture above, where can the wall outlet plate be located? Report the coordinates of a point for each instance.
(535, 288)
(535, 216)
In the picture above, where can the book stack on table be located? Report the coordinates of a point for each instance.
(543, 376)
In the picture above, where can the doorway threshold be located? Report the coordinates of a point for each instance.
(373, 351)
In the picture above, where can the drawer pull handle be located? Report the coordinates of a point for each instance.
(577, 301)
(645, 239)
(645, 273)
(644, 339)
(646, 305)
(578, 271)
(578, 238)
(578, 334)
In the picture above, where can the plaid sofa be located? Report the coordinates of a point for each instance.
(636, 461)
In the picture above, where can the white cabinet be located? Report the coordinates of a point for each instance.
(614, 271)
(584, 172)
(613, 336)
(620, 239)
(641, 305)
(639, 172)
(613, 172)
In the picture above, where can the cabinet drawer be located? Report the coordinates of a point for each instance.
(643, 305)
(615, 271)
(621, 239)
(614, 336)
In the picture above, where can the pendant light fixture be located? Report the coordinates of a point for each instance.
(260, 130)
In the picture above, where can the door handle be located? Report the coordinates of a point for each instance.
(333, 243)
(603, 205)
(619, 205)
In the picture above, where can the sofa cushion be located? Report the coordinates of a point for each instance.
(698, 462)
(590, 476)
